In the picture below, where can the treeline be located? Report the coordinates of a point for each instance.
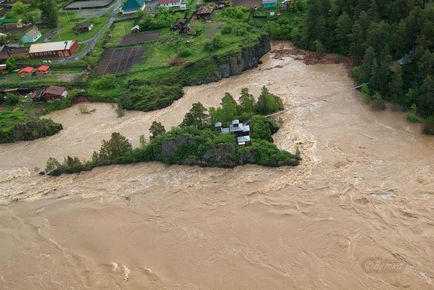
(390, 41)
(195, 141)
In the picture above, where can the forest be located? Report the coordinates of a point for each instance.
(391, 43)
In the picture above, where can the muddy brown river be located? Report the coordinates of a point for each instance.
(358, 213)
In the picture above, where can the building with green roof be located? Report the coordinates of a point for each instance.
(132, 6)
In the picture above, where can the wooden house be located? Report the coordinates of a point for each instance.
(53, 49)
(54, 93)
(13, 50)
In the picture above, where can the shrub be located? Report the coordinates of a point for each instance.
(227, 29)
(105, 82)
(11, 64)
(378, 103)
(260, 128)
(185, 52)
(11, 99)
(428, 126)
(366, 93)
(413, 118)
(58, 105)
(214, 44)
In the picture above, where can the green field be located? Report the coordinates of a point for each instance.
(68, 20)
(119, 30)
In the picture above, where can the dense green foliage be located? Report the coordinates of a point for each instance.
(391, 41)
(287, 26)
(29, 13)
(194, 142)
(163, 18)
(18, 125)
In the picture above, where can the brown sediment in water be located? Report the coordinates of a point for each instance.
(357, 213)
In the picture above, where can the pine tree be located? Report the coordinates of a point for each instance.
(396, 85)
(357, 42)
(156, 130)
(368, 64)
(343, 30)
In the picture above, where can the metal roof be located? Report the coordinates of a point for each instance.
(55, 90)
(51, 46)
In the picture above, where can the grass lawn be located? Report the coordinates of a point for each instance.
(171, 44)
(119, 30)
(15, 80)
(67, 21)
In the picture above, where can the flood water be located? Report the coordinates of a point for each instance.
(357, 213)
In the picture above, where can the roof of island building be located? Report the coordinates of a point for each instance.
(240, 130)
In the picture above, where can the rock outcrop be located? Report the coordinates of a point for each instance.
(30, 130)
(214, 68)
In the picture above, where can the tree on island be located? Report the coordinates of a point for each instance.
(268, 103)
(247, 101)
(196, 117)
(156, 130)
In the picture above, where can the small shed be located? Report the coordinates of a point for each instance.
(135, 29)
(240, 130)
(82, 27)
(31, 36)
(43, 70)
(3, 68)
(169, 3)
(54, 93)
(26, 72)
(269, 4)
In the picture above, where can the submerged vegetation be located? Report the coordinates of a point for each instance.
(195, 141)
(391, 43)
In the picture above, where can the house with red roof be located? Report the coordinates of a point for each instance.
(43, 70)
(26, 72)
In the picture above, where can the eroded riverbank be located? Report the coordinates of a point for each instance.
(363, 191)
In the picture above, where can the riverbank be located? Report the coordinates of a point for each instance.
(153, 225)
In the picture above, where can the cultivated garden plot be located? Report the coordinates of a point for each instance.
(248, 3)
(119, 60)
(139, 38)
(88, 4)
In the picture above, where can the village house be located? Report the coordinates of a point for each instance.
(43, 70)
(82, 27)
(13, 50)
(240, 130)
(169, 3)
(268, 4)
(133, 6)
(51, 93)
(11, 24)
(53, 49)
(26, 72)
(31, 36)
